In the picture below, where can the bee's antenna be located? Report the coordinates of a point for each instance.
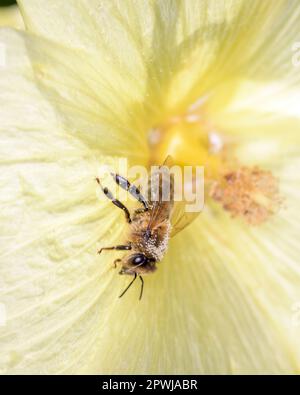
(127, 288)
(142, 287)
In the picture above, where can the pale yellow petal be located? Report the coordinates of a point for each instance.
(261, 123)
(179, 51)
(51, 279)
(92, 101)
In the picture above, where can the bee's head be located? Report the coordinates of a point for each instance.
(138, 263)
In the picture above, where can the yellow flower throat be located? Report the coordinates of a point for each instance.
(248, 192)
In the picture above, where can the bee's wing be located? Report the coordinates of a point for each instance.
(180, 218)
(159, 183)
(162, 210)
(182, 215)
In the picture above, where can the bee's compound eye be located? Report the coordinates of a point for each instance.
(139, 259)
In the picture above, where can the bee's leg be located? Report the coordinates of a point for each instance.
(119, 247)
(140, 210)
(132, 189)
(142, 287)
(117, 261)
(130, 284)
(116, 202)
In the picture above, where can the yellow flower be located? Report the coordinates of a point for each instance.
(10, 16)
(92, 81)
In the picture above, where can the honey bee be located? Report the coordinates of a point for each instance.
(150, 226)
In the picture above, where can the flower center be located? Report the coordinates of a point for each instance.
(248, 192)
(190, 143)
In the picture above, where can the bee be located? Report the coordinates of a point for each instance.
(150, 226)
